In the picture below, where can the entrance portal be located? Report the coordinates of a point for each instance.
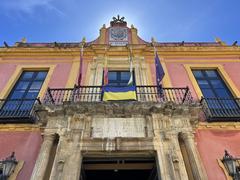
(119, 169)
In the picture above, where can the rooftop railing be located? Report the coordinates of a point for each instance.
(221, 109)
(58, 96)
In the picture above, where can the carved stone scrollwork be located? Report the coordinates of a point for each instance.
(110, 144)
(166, 135)
(119, 127)
(174, 155)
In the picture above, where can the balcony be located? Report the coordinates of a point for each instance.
(18, 110)
(95, 94)
(221, 109)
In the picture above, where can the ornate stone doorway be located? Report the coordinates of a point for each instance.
(119, 168)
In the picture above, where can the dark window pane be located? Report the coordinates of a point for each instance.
(27, 87)
(112, 75)
(222, 93)
(11, 105)
(125, 75)
(208, 93)
(118, 78)
(113, 84)
(32, 94)
(230, 104)
(123, 84)
(27, 75)
(22, 85)
(17, 94)
(217, 84)
(214, 103)
(211, 84)
(41, 75)
(203, 83)
(26, 105)
(197, 74)
(211, 73)
(36, 85)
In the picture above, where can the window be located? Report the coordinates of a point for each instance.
(219, 100)
(211, 84)
(119, 78)
(23, 95)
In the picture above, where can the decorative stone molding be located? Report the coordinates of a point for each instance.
(162, 123)
(43, 157)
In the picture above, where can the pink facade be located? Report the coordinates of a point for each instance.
(26, 146)
(179, 76)
(58, 79)
(211, 143)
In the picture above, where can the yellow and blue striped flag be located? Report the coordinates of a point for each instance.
(111, 93)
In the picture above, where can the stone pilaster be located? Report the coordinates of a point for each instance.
(160, 146)
(194, 157)
(72, 166)
(177, 159)
(43, 157)
(59, 160)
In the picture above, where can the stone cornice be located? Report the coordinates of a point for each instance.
(219, 125)
(19, 127)
(117, 109)
(141, 49)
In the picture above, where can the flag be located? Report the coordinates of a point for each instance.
(105, 81)
(130, 82)
(81, 67)
(119, 93)
(159, 69)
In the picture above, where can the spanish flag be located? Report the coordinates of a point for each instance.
(119, 93)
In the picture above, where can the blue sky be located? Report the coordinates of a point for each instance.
(166, 20)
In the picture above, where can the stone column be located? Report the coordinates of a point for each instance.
(177, 158)
(99, 74)
(59, 159)
(72, 166)
(138, 75)
(161, 147)
(72, 169)
(43, 157)
(161, 161)
(198, 170)
(92, 73)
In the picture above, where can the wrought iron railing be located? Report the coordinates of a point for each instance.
(17, 110)
(94, 94)
(221, 109)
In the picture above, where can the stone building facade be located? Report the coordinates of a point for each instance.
(62, 131)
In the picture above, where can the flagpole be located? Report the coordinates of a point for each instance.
(130, 82)
(105, 68)
(81, 62)
(153, 44)
(159, 69)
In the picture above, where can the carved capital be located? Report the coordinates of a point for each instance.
(49, 136)
(187, 135)
(166, 136)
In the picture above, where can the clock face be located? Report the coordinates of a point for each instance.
(118, 36)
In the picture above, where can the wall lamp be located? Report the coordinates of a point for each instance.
(232, 165)
(7, 166)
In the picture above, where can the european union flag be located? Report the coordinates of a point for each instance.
(119, 93)
(159, 69)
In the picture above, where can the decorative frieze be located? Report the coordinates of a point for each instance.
(119, 127)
